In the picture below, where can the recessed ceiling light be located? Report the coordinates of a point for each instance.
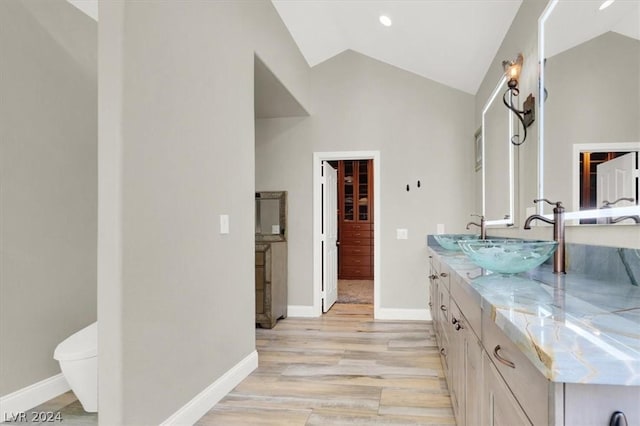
(385, 20)
(606, 4)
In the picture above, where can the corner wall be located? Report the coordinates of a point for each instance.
(48, 171)
(178, 149)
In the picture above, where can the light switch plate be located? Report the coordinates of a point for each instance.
(440, 228)
(402, 234)
(224, 223)
(275, 229)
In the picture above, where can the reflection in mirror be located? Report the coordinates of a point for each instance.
(497, 160)
(590, 125)
(271, 216)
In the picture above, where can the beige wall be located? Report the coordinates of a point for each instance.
(423, 130)
(177, 100)
(48, 170)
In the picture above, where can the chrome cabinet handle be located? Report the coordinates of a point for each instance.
(454, 320)
(443, 308)
(430, 304)
(443, 352)
(433, 277)
(444, 274)
(458, 327)
(496, 353)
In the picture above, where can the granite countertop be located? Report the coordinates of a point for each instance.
(573, 328)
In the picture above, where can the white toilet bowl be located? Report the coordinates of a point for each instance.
(78, 358)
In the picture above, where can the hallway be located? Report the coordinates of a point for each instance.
(341, 369)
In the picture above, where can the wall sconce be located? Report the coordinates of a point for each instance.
(526, 116)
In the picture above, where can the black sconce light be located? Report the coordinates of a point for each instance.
(526, 116)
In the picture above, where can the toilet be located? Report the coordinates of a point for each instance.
(78, 358)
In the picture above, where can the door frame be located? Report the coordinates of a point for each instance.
(318, 157)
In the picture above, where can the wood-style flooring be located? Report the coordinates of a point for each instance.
(341, 369)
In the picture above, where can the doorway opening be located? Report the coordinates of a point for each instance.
(355, 223)
(605, 175)
(357, 218)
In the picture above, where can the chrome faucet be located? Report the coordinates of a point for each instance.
(482, 225)
(607, 205)
(558, 232)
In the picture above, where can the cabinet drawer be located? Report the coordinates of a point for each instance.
(354, 235)
(349, 250)
(355, 260)
(469, 305)
(356, 226)
(359, 242)
(364, 272)
(528, 385)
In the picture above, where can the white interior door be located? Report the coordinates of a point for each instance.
(330, 236)
(616, 179)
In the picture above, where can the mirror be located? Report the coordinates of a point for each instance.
(497, 180)
(589, 109)
(271, 216)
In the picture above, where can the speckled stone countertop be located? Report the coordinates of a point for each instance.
(573, 328)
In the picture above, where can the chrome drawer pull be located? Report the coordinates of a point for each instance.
(506, 362)
(444, 274)
(443, 352)
(443, 308)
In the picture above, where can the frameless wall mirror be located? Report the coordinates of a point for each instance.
(271, 216)
(497, 160)
(589, 109)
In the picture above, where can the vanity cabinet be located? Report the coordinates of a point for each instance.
(500, 406)
(492, 380)
(271, 283)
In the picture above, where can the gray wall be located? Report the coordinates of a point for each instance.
(177, 150)
(48, 170)
(605, 114)
(523, 37)
(423, 130)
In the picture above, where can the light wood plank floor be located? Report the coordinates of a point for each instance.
(341, 369)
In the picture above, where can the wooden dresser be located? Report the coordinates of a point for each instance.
(271, 257)
(355, 219)
(271, 283)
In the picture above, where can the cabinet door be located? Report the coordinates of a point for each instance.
(500, 407)
(456, 360)
(473, 378)
(356, 190)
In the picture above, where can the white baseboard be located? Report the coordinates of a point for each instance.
(301, 311)
(32, 396)
(193, 410)
(403, 314)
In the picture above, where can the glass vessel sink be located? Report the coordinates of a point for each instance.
(508, 256)
(450, 241)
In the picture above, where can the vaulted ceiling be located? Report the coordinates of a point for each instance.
(450, 41)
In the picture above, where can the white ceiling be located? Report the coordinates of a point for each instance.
(450, 41)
